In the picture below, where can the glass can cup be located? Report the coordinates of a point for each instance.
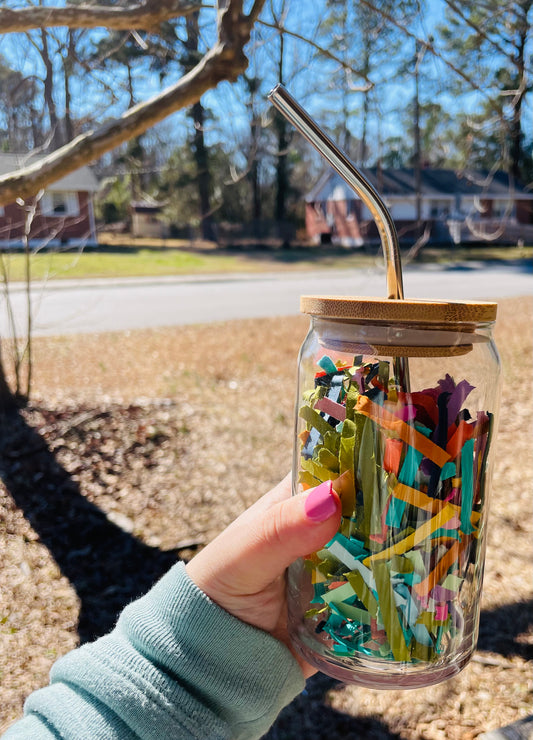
(397, 402)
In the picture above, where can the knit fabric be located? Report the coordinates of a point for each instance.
(176, 666)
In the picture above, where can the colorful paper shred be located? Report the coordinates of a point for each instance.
(409, 469)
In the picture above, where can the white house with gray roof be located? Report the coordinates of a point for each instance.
(454, 207)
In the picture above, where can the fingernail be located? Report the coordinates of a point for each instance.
(321, 504)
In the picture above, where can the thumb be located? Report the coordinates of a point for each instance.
(290, 530)
(257, 547)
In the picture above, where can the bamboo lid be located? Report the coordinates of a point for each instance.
(439, 312)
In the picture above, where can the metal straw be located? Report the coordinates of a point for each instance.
(302, 121)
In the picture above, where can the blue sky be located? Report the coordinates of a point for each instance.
(307, 82)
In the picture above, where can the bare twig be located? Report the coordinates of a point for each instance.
(478, 30)
(323, 51)
(429, 46)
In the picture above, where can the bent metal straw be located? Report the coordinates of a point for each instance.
(303, 122)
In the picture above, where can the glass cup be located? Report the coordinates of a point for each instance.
(397, 402)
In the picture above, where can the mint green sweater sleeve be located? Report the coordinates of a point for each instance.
(176, 666)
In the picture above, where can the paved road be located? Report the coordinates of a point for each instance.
(63, 307)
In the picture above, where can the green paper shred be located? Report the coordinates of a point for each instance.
(364, 594)
(313, 418)
(328, 460)
(318, 471)
(389, 613)
(368, 477)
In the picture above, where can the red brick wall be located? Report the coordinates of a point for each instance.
(61, 228)
(524, 211)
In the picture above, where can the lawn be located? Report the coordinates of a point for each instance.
(151, 259)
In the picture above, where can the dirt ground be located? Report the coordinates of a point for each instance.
(139, 447)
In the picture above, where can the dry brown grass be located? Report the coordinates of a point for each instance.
(199, 424)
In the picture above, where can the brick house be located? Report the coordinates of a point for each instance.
(64, 214)
(455, 207)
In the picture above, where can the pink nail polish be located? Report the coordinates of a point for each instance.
(321, 504)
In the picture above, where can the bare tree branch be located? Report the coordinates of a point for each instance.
(138, 15)
(427, 45)
(224, 61)
(475, 27)
(279, 26)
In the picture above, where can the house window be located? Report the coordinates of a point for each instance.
(60, 203)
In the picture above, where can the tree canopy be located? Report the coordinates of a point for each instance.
(124, 86)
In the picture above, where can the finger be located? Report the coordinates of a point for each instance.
(280, 492)
(287, 531)
(256, 549)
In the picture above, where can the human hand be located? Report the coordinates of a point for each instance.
(243, 569)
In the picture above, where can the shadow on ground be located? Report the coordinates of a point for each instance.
(309, 717)
(508, 630)
(107, 566)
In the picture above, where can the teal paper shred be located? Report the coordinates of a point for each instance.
(422, 429)
(320, 590)
(355, 547)
(467, 486)
(395, 512)
(438, 649)
(449, 470)
(368, 651)
(333, 632)
(327, 364)
(410, 466)
(446, 533)
(334, 622)
(411, 578)
(342, 651)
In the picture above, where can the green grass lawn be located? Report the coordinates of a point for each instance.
(92, 264)
(132, 262)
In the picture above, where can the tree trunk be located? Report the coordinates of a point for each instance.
(515, 149)
(7, 399)
(203, 174)
(282, 177)
(68, 67)
(363, 146)
(201, 155)
(56, 137)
